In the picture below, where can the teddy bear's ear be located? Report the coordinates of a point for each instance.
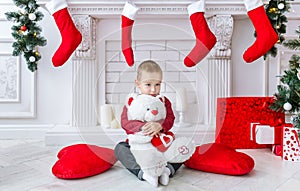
(130, 98)
(161, 98)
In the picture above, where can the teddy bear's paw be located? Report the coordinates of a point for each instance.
(181, 150)
(139, 138)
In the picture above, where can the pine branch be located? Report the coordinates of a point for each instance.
(275, 11)
(26, 32)
(292, 44)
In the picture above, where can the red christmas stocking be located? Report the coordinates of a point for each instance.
(128, 15)
(205, 39)
(71, 37)
(266, 35)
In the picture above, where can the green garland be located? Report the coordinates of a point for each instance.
(26, 32)
(287, 99)
(275, 10)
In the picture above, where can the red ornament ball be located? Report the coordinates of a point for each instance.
(23, 28)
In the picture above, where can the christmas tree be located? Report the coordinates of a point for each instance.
(287, 99)
(26, 32)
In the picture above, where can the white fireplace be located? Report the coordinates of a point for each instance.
(161, 32)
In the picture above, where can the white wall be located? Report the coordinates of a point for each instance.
(247, 78)
(53, 85)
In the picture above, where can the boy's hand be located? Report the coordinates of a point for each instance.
(151, 128)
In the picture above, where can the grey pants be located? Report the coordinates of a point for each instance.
(124, 155)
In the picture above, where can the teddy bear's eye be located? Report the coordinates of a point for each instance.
(148, 109)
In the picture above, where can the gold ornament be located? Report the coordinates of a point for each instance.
(37, 53)
(273, 10)
(34, 34)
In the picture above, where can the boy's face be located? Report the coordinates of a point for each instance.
(149, 83)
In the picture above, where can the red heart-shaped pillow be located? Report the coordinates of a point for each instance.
(220, 159)
(163, 141)
(83, 160)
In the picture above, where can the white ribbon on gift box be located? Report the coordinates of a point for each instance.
(264, 134)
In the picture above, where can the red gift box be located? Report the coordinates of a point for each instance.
(277, 150)
(234, 116)
(265, 134)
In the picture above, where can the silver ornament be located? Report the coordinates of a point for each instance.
(32, 59)
(281, 6)
(287, 106)
(32, 16)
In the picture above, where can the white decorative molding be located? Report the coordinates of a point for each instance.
(30, 112)
(176, 9)
(9, 78)
(84, 74)
(222, 27)
(87, 48)
(17, 109)
(219, 62)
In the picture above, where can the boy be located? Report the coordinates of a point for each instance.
(149, 78)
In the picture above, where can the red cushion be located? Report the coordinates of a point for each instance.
(220, 159)
(83, 160)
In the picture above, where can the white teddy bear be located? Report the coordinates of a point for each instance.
(152, 161)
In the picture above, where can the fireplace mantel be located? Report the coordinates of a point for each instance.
(175, 8)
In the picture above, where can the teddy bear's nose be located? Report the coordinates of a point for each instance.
(154, 112)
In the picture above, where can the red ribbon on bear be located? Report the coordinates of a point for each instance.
(163, 141)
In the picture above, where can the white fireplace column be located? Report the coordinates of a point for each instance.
(84, 75)
(219, 63)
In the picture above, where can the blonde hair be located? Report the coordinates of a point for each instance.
(148, 66)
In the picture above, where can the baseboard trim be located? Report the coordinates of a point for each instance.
(62, 135)
(24, 131)
(66, 135)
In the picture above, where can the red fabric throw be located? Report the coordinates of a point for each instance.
(83, 160)
(220, 159)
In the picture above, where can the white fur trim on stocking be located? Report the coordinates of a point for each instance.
(56, 5)
(129, 10)
(198, 6)
(252, 4)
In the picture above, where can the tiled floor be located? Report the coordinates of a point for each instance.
(26, 165)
